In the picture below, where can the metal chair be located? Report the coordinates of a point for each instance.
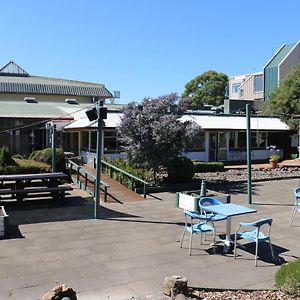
(205, 201)
(256, 235)
(296, 207)
(197, 228)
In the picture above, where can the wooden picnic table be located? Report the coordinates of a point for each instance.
(19, 186)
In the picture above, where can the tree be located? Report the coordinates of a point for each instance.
(152, 133)
(284, 101)
(210, 87)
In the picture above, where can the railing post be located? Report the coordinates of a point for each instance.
(71, 166)
(105, 193)
(145, 190)
(85, 181)
(78, 168)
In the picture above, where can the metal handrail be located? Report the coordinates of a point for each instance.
(86, 174)
(133, 178)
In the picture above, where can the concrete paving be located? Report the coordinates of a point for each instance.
(134, 246)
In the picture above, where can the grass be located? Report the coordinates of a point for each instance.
(287, 277)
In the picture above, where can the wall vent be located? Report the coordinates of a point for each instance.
(71, 101)
(30, 100)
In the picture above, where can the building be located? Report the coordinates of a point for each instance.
(223, 137)
(29, 105)
(278, 66)
(244, 89)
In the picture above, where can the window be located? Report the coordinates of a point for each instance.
(110, 141)
(242, 93)
(235, 87)
(258, 83)
(197, 143)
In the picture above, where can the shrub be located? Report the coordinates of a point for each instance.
(122, 164)
(202, 167)
(181, 169)
(25, 166)
(6, 158)
(45, 156)
(287, 278)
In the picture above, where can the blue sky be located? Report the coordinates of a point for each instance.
(144, 47)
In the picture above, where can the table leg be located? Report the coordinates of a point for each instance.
(227, 242)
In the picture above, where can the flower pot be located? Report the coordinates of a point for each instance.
(273, 163)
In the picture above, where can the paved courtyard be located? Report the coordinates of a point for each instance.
(128, 253)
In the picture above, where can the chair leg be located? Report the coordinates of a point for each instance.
(271, 247)
(235, 242)
(293, 215)
(190, 245)
(256, 251)
(182, 237)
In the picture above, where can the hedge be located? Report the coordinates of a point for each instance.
(202, 167)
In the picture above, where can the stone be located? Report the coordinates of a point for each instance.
(175, 285)
(60, 292)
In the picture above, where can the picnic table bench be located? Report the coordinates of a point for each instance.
(20, 186)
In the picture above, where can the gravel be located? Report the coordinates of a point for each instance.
(240, 175)
(243, 295)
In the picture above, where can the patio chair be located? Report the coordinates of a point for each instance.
(197, 228)
(205, 201)
(256, 235)
(296, 207)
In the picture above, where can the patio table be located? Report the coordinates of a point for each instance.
(229, 210)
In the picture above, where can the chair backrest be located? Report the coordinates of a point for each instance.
(297, 193)
(205, 201)
(261, 222)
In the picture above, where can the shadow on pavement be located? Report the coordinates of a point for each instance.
(264, 252)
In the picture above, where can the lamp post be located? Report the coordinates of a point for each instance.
(53, 142)
(249, 179)
(98, 113)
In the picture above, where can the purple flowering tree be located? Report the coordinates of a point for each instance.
(152, 133)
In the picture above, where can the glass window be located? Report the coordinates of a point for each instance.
(242, 140)
(241, 93)
(110, 141)
(197, 143)
(258, 83)
(85, 140)
(235, 87)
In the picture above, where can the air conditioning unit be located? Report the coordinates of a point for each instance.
(71, 101)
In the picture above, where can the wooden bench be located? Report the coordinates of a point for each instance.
(20, 194)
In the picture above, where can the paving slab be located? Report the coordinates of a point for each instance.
(129, 251)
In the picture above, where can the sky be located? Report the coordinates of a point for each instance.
(144, 48)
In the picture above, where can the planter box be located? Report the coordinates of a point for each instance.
(4, 222)
(189, 200)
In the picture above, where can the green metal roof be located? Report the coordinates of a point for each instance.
(277, 59)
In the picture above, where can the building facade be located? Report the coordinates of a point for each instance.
(29, 105)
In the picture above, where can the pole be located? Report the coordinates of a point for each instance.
(98, 162)
(53, 139)
(249, 179)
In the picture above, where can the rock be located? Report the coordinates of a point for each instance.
(175, 285)
(60, 292)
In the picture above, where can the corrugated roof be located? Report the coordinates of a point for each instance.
(236, 122)
(51, 86)
(211, 122)
(43, 110)
(13, 79)
(112, 121)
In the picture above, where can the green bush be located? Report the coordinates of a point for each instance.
(25, 166)
(181, 169)
(6, 158)
(287, 278)
(122, 164)
(202, 167)
(45, 156)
